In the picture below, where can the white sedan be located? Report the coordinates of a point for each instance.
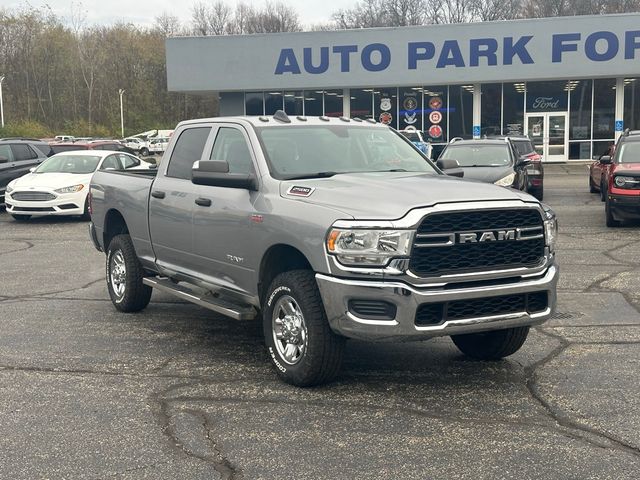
(60, 184)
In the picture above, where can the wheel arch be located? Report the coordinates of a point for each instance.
(114, 224)
(278, 259)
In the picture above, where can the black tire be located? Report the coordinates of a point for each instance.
(21, 218)
(592, 187)
(603, 192)
(320, 360)
(492, 345)
(144, 152)
(85, 214)
(608, 214)
(134, 295)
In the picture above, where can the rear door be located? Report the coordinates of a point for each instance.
(172, 199)
(6, 168)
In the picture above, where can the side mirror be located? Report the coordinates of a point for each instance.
(4, 159)
(450, 167)
(523, 161)
(605, 159)
(216, 174)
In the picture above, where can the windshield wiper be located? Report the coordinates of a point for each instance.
(393, 170)
(312, 175)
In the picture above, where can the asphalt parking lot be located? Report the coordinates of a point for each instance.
(178, 392)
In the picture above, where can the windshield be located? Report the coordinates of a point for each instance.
(630, 152)
(319, 150)
(478, 155)
(69, 164)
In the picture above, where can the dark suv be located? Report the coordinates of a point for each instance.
(495, 160)
(17, 156)
(523, 146)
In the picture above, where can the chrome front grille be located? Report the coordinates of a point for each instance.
(451, 243)
(33, 196)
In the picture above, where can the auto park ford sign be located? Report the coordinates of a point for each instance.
(572, 47)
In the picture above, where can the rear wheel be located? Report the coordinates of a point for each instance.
(21, 218)
(492, 345)
(603, 192)
(592, 187)
(124, 276)
(301, 345)
(144, 151)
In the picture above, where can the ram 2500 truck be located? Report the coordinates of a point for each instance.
(326, 229)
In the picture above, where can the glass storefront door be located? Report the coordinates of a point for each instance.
(549, 134)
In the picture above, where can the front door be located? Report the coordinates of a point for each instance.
(550, 134)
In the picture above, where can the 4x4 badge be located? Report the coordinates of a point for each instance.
(300, 191)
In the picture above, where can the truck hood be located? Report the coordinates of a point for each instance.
(390, 195)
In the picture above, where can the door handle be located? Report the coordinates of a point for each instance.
(203, 202)
(157, 194)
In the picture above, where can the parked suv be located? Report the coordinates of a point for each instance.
(622, 180)
(489, 160)
(523, 146)
(17, 156)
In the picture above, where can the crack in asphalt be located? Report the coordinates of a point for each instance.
(596, 285)
(29, 245)
(574, 428)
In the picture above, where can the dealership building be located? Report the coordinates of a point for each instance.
(572, 84)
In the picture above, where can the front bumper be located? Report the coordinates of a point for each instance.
(624, 207)
(63, 204)
(337, 293)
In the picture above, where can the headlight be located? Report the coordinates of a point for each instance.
(550, 228)
(506, 181)
(8, 189)
(361, 247)
(71, 189)
(626, 182)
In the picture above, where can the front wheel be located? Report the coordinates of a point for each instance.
(124, 276)
(301, 345)
(144, 152)
(492, 345)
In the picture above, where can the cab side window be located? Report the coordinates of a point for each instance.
(188, 149)
(231, 147)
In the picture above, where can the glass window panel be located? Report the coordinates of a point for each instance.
(579, 150)
(273, 101)
(361, 103)
(491, 109)
(513, 108)
(580, 107)
(461, 111)
(254, 103)
(385, 106)
(602, 147)
(547, 96)
(604, 108)
(313, 103)
(632, 103)
(333, 106)
(435, 100)
(293, 102)
(410, 103)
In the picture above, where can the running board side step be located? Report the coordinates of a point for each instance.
(218, 305)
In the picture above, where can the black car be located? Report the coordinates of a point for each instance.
(493, 160)
(523, 146)
(17, 157)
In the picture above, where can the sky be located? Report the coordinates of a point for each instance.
(142, 12)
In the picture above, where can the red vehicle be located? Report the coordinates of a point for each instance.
(598, 172)
(621, 185)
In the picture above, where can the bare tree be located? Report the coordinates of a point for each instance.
(168, 25)
(274, 18)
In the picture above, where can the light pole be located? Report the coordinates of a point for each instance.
(121, 92)
(1, 104)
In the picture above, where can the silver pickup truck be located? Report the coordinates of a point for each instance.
(326, 229)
